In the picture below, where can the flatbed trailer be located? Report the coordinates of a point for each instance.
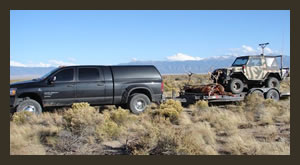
(190, 98)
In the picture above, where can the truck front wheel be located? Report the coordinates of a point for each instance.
(138, 103)
(236, 86)
(30, 106)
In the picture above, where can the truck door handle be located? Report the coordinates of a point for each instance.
(100, 84)
(71, 85)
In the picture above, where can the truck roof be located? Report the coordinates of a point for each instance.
(107, 65)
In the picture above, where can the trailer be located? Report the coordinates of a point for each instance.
(187, 98)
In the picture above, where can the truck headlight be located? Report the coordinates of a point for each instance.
(13, 91)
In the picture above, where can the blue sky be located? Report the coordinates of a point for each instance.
(57, 37)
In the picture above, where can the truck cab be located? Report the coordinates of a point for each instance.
(132, 87)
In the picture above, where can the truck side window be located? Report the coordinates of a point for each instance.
(88, 74)
(65, 75)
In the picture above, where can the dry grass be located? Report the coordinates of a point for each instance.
(253, 127)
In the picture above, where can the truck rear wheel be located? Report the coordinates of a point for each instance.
(30, 106)
(273, 82)
(138, 103)
(272, 94)
(236, 86)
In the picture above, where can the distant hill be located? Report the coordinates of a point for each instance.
(200, 66)
(165, 67)
(28, 72)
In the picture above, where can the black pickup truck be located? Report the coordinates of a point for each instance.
(132, 87)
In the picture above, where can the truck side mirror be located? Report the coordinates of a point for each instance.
(52, 79)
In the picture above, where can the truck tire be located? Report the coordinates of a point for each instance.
(272, 94)
(236, 86)
(138, 103)
(273, 82)
(30, 106)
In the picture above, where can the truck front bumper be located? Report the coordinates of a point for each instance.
(14, 101)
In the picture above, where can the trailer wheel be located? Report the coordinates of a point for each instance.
(258, 92)
(236, 86)
(30, 106)
(272, 94)
(138, 103)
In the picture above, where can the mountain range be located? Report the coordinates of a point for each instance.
(165, 67)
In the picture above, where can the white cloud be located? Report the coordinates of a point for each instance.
(248, 50)
(51, 63)
(133, 59)
(15, 63)
(59, 63)
(183, 57)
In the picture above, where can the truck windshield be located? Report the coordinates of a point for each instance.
(47, 74)
(240, 61)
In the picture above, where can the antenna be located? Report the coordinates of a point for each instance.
(263, 45)
(282, 43)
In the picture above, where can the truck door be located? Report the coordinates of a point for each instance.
(90, 86)
(60, 92)
(254, 69)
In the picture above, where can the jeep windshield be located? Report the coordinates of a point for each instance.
(240, 61)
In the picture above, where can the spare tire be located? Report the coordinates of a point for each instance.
(273, 94)
(236, 86)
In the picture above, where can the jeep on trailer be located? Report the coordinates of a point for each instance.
(249, 72)
(132, 87)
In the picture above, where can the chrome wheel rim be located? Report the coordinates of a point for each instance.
(29, 108)
(140, 105)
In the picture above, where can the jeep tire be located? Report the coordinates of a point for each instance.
(273, 82)
(138, 103)
(30, 106)
(236, 86)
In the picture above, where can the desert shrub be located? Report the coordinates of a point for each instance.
(197, 139)
(201, 104)
(24, 140)
(224, 121)
(170, 109)
(242, 145)
(109, 130)
(22, 117)
(285, 86)
(81, 115)
(274, 148)
(266, 111)
(121, 116)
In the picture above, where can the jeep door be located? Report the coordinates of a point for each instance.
(254, 69)
(90, 85)
(60, 92)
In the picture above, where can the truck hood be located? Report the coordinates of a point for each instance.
(24, 83)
